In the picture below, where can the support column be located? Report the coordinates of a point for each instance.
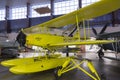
(80, 3)
(52, 8)
(28, 15)
(114, 18)
(7, 22)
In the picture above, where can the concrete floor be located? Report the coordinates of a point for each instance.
(110, 69)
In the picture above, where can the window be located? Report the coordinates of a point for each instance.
(2, 14)
(66, 6)
(35, 14)
(88, 2)
(18, 13)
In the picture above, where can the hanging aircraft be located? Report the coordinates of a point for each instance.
(39, 35)
(115, 46)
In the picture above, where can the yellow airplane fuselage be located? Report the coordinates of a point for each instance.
(44, 40)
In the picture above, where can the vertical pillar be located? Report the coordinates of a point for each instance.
(7, 22)
(80, 6)
(80, 3)
(52, 8)
(114, 18)
(28, 15)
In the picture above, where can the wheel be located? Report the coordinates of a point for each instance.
(56, 73)
(101, 54)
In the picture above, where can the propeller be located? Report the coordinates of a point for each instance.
(102, 31)
(94, 31)
(104, 28)
(21, 39)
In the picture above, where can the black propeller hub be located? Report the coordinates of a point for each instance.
(21, 39)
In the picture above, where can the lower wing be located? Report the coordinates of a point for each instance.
(85, 42)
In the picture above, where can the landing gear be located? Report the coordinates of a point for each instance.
(100, 54)
(56, 73)
(76, 63)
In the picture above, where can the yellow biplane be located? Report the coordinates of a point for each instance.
(39, 36)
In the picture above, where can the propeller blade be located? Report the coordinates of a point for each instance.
(94, 31)
(103, 29)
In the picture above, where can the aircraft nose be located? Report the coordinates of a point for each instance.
(21, 39)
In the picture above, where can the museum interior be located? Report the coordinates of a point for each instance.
(59, 40)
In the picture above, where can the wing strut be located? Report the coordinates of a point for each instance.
(78, 29)
(84, 29)
(88, 31)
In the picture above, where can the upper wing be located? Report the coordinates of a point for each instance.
(91, 11)
(87, 42)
